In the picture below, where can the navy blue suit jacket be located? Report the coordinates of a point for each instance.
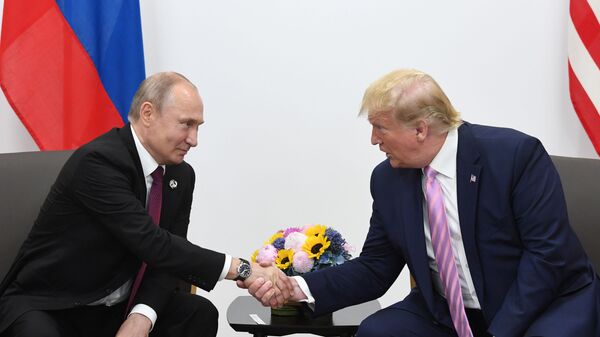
(527, 265)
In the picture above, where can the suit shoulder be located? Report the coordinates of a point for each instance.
(494, 133)
(106, 149)
(498, 140)
(505, 150)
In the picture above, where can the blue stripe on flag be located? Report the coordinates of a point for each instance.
(111, 33)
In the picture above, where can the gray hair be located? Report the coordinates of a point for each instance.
(155, 89)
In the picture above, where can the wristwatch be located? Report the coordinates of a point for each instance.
(244, 270)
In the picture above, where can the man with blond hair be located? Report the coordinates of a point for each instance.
(478, 215)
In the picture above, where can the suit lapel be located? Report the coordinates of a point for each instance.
(467, 187)
(140, 180)
(171, 195)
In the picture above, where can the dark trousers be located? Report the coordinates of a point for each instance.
(185, 315)
(410, 318)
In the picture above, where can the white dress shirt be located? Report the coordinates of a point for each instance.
(122, 293)
(445, 164)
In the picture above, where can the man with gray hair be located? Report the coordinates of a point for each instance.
(478, 215)
(107, 253)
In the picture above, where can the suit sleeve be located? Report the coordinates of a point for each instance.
(541, 220)
(359, 280)
(105, 190)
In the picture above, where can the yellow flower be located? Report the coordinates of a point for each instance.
(316, 230)
(253, 257)
(274, 237)
(284, 259)
(315, 246)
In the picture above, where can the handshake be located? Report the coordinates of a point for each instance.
(271, 286)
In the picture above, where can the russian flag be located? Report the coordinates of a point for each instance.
(69, 68)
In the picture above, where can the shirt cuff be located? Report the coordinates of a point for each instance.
(145, 310)
(310, 300)
(225, 267)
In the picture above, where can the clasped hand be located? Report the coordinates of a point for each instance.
(269, 285)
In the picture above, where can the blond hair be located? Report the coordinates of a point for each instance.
(410, 95)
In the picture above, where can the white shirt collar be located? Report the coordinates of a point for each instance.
(445, 160)
(147, 161)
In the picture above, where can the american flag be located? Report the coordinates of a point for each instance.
(584, 65)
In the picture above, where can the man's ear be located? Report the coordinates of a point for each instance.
(422, 130)
(146, 112)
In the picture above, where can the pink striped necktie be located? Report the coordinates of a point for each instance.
(154, 206)
(444, 255)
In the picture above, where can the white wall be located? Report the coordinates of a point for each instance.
(282, 82)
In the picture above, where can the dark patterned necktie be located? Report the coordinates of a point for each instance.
(154, 206)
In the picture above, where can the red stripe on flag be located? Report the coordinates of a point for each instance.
(40, 54)
(587, 26)
(588, 115)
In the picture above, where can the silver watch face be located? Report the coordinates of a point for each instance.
(244, 270)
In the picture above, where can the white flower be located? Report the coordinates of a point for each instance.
(295, 241)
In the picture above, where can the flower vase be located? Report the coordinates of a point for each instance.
(290, 309)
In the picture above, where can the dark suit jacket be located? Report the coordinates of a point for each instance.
(526, 263)
(93, 231)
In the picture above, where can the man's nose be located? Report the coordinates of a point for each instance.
(374, 138)
(192, 138)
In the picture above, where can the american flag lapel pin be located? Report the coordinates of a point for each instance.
(473, 178)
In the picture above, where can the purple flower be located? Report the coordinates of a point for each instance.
(291, 230)
(337, 241)
(267, 254)
(279, 243)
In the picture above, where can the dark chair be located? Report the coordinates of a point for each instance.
(581, 183)
(26, 178)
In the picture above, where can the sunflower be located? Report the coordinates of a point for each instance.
(315, 246)
(316, 230)
(274, 237)
(284, 259)
(254, 255)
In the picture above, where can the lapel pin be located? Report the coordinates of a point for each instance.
(173, 184)
(473, 178)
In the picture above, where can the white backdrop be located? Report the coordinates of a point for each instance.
(282, 83)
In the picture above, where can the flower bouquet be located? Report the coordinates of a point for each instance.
(299, 250)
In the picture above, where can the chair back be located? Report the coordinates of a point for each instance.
(580, 179)
(26, 178)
